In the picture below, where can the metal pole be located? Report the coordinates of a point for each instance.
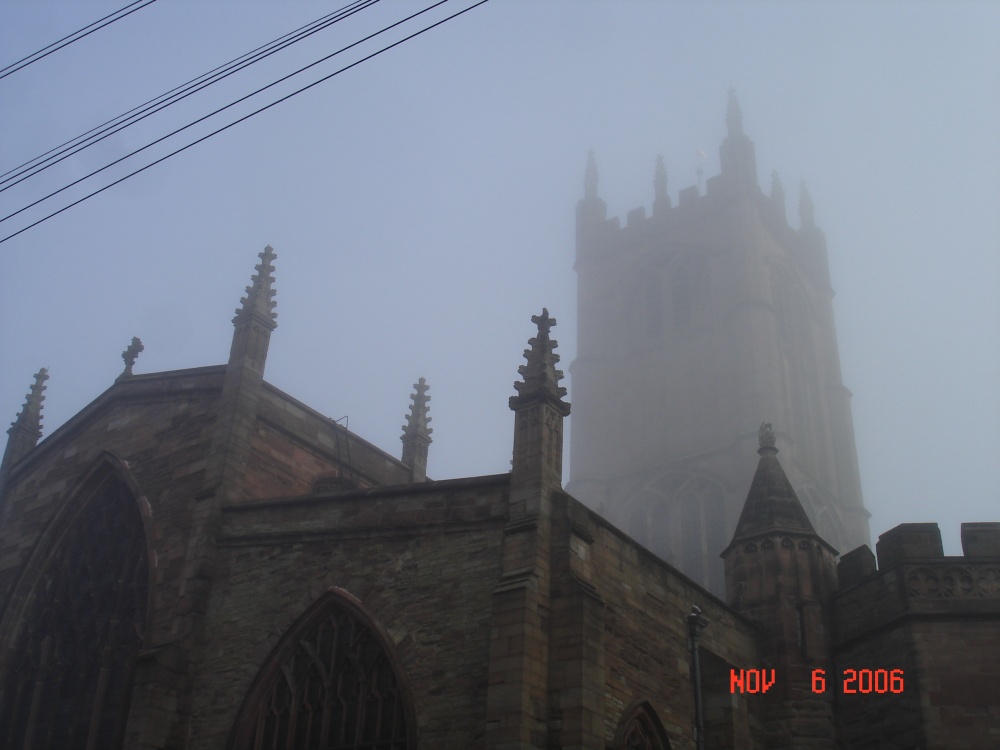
(695, 624)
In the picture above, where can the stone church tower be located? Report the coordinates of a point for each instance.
(696, 324)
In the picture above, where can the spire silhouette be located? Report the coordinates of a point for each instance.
(734, 115)
(807, 215)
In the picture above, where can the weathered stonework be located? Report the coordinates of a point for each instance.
(493, 612)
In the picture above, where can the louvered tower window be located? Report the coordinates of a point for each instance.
(330, 685)
(67, 673)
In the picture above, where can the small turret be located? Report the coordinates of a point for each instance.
(781, 574)
(416, 434)
(26, 428)
(661, 200)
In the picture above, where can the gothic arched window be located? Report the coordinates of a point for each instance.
(640, 729)
(67, 669)
(330, 684)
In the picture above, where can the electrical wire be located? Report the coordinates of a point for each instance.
(215, 112)
(36, 56)
(115, 125)
(255, 112)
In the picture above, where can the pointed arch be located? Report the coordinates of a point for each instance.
(680, 516)
(77, 618)
(641, 729)
(333, 681)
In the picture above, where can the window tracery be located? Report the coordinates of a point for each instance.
(640, 729)
(331, 685)
(67, 680)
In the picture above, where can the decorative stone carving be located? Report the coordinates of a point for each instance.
(130, 355)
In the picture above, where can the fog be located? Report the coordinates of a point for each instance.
(422, 205)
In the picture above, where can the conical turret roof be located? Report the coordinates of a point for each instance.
(772, 505)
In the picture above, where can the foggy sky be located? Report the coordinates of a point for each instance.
(422, 206)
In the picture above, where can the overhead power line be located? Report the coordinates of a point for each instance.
(245, 117)
(115, 125)
(215, 112)
(74, 37)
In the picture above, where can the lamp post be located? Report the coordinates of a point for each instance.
(696, 623)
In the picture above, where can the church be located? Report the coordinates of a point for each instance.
(198, 560)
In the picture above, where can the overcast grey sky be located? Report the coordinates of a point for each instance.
(422, 205)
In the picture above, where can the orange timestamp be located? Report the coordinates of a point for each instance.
(862, 681)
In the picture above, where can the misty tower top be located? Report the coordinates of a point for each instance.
(695, 320)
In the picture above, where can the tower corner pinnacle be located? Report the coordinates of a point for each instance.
(661, 199)
(734, 115)
(590, 178)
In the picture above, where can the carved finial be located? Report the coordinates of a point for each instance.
(778, 194)
(734, 115)
(541, 378)
(29, 419)
(590, 178)
(416, 434)
(417, 419)
(130, 355)
(765, 438)
(259, 303)
(661, 200)
(807, 216)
